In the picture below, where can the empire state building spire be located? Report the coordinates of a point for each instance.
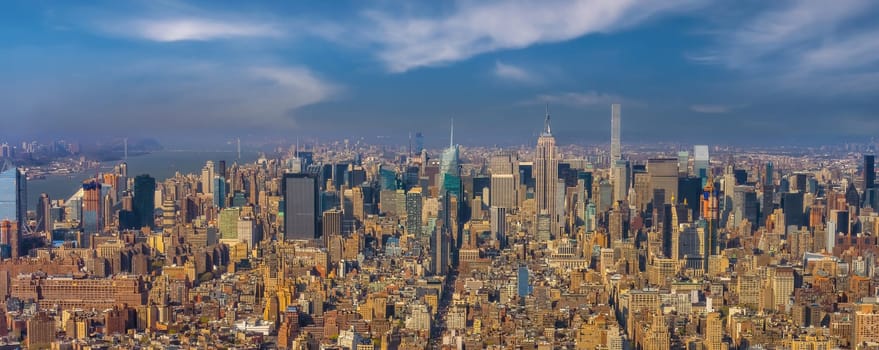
(547, 131)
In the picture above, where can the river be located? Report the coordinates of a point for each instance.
(159, 164)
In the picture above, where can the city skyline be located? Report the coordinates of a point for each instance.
(713, 74)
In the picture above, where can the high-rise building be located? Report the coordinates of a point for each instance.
(449, 172)
(13, 203)
(300, 207)
(219, 194)
(713, 332)
(745, 205)
(792, 205)
(782, 287)
(503, 181)
(207, 178)
(413, 211)
(615, 151)
(546, 167)
(228, 223)
(869, 171)
(621, 173)
(701, 162)
(91, 206)
(663, 176)
(710, 215)
(524, 286)
(144, 202)
(44, 217)
(40, 331)
(332, 223)
(498, 217)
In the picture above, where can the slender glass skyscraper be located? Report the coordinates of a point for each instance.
(615, 152)
(546, 167)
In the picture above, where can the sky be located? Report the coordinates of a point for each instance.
(687, 71)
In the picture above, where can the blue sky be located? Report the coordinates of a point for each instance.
(690, 71)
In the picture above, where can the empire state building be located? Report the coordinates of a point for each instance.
(546, 167)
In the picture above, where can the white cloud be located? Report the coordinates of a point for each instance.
(477, 27)
(197, 29)
(711, 109)
(578, 99)
(162, 95)
(511, 72)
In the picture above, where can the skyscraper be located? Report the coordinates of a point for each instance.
(503, 182)
(44, 218)
(869, 171)
(219, 187)
(144, 203)
(413, 211)
(615, 152)
(710, 215)
(449, 164)
(207, 178)
(91, 206)
(546, 168)
(621, 174)
(300, 207)
(701, 162)
(13, 202)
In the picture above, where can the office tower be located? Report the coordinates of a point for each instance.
(44, 217)
(440, 245)
(782, 287)
(219, 194)
(207, 178)
(503, 181)
(498, 218)
(713, 332)
(621, 175)
(745, 205)
(546, 176)
(524, 286)
(449, 171)
(798, 182)
(710, 215)
(701, 162)
(689, 192)
(663, 176)
(419, 142)
(869, 171)
(615, 152)
(792, 205)
(387, 179)
(40, 331)
(683, 163)
(413, 211)
(332, 223)
(13, 203)
(221, 169)
(91, 206)
(247, 231)
(228, 223)
(144, 202)
(604, 197)
(300, 207)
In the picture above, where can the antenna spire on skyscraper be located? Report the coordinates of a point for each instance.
(452, 134)
(546, 128)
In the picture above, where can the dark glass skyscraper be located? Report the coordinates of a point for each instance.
(869, 171)
(300, 207)
(144, 200)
